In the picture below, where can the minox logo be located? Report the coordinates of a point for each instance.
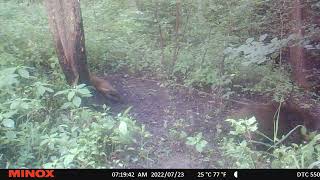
(37, 173)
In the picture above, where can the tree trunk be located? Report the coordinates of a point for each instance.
(160, 34)
(297, 53)
(177, 32)
(66, 25)
(302, 65)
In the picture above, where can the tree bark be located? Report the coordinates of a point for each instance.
(297, 53)
(302, 65)
(66, 25)
(177, 32)
(160, 34)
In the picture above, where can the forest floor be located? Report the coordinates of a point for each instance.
(166, 112)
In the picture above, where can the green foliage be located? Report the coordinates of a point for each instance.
(215, 48)
(253, 68)
(42, 122)
(59, 134)
(197, 141)
(177, 132)
(232, 46)
(74, 96)
(25, 38)
(240, 148)
(257, 52)
(298, 156)
(243, 126)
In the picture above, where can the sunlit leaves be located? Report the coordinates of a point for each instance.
(123, 128)
(242, 126)
(71, 95)
(23, 73)
(76, 101)
(197, 141)
(8, 78)
(9, 123)
(41, 88)
(74, 95)
(256, 51)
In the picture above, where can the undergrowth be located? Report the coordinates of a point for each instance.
(241, 151)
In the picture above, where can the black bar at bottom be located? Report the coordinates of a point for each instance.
(245, 174)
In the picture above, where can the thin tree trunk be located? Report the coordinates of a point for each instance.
(206, 50)
(177, 29)
(66, 25)
(160, 35)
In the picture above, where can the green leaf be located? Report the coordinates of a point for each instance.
(123, 128)
(40, 91)
(10, 70)
(200, 146)
(303, 130)
(11, 135)
(48, 166)
(9, 123)
(45, 141)
(49, 89)
(71, 95)
(23, 73)
(127, 111)
(68, 159)
(199, 136)
(263, 37)
(183, 134)
(109, 124)
(81, 86)
(84, 92)
(249, 40)
(66, 105)
(60, 92)
(251, 121)
(191, 141)
(9, 114)
(15, 104)
(24, 105)
(76, 101)
(53, 65)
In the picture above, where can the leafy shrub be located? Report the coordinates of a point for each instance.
(252, 67)
(39, 129)
(238, 148)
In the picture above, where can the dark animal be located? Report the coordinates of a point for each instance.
(105, 88)
(265, 114)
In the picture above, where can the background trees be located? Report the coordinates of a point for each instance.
(263, 50)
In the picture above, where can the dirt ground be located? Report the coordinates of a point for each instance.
(163, 109)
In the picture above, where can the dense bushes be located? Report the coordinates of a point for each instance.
(122, 35)
(40, 129)
(241, 150)
(224, 45)
(41, 121)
